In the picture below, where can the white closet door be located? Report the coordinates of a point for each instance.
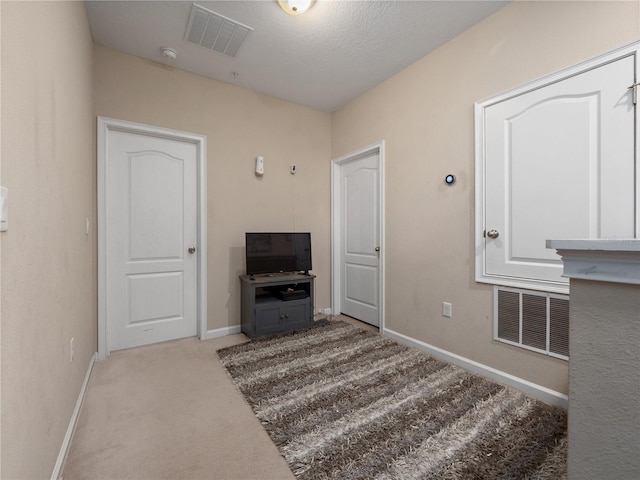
(360, 243)
(558, 164)
(151, 239)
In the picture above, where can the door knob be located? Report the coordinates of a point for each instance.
(493, 234)
(377, 249)
(192, 249)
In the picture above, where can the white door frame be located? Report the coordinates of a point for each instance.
(106, 125)
(336, 208)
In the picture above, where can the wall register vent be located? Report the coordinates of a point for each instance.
(215, 32)
(536, 321)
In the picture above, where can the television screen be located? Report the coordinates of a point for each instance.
(278, 252)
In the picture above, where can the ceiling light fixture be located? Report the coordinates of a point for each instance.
(295, 7)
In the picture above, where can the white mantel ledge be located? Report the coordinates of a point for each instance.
(614, 260)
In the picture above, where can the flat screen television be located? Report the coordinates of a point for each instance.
(276, 252)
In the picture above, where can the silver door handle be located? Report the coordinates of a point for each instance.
(377, 249)
(493, 234)
(192, 249)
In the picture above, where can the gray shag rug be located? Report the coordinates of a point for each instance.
(344, 403)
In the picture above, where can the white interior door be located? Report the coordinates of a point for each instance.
(559, 164)
(151, 224)
(360, 239)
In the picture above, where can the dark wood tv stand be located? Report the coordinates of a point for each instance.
(267, 305)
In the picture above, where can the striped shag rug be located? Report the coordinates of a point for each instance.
(344, 403)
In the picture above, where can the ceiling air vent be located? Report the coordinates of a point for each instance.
(215, 32)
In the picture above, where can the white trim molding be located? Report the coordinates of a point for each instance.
(336, 164)
(105, 125)
(66, 442)
(537, 391)
(615, 260)
(222, 332)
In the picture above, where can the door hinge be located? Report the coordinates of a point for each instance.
(634, 89)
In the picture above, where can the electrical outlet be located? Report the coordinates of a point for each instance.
(72, 353)
(447, 309)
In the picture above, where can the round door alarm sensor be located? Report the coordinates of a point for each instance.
(450, 179)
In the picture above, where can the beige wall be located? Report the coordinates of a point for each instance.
(239, 125)
(49, 264)
(425, 116)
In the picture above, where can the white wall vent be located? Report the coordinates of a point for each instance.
(215, 32)
(536, 321)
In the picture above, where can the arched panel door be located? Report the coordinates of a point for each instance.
(558, 163)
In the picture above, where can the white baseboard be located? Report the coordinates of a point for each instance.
(57, 469)
(537, 391)
(222, 332)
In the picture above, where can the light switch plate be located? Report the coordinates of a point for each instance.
(4, 209)
(447, 309)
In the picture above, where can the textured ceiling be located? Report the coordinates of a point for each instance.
(322, 59)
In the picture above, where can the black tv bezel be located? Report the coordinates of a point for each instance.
(278, 271)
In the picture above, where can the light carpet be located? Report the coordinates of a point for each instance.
(169, 411)
(342, 402)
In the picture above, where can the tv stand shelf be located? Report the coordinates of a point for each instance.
(274, 303)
